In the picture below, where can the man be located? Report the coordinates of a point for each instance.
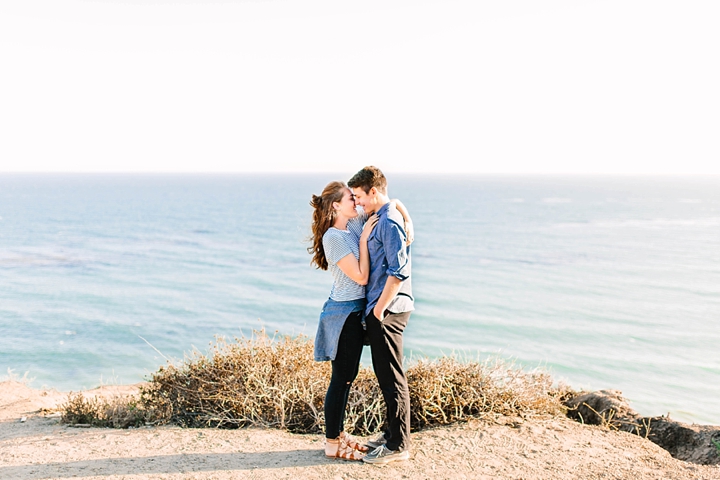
(389, 303)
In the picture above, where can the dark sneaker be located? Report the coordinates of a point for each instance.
(383, 455)
(376, 442)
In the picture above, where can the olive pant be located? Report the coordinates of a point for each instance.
(386, 346)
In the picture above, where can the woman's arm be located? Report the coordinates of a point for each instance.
(409, 231)
(359, 270)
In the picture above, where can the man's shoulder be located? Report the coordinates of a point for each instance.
(391, 224)
(393, 215)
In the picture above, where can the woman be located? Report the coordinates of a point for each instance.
(339, 244)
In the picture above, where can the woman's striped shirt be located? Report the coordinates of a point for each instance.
(337, 245)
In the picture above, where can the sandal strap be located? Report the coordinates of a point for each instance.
(345, 451)
(352, 442)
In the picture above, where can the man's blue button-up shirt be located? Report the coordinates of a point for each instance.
(389, 256)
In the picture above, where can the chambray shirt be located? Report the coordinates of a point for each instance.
(389, 256)
(332, 320)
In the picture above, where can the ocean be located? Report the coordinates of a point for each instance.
(607, 282)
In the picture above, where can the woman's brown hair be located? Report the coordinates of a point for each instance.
(323, 219)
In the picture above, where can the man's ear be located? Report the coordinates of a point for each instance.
(373, 191)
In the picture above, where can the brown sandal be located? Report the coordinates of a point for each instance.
(340, 449)
(352, 442)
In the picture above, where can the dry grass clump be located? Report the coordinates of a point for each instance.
(446, 391)
(254, 381)
(270, 382)
(118, 412)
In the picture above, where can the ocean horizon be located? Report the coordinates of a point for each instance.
(606, 282)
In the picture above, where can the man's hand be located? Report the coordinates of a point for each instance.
(380, 315)
(392, 287)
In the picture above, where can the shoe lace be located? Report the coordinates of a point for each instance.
(379, 451)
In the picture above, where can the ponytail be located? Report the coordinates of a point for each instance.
(323, 219)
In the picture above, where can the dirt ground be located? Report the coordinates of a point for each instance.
(34, 445)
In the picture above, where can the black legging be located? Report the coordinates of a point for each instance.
(344, 370)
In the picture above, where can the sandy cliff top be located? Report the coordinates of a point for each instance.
(550, 448)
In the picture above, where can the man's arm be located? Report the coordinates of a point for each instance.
(392, 286)
(393, 238)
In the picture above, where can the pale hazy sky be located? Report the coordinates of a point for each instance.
(503, 86)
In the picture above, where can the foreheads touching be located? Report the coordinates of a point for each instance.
(369, 187)
(367, 178)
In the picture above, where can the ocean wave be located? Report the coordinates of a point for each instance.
(649, 223)
(41, 261)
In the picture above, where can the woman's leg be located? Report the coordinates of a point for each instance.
(344, 370)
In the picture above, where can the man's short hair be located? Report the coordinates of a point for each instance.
(368, 178)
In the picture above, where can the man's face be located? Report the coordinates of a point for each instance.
(366, 200)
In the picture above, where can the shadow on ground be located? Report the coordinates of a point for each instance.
(168, 464)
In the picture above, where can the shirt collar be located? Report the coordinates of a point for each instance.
(383, 210)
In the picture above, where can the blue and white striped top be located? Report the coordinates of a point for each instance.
(338, 244)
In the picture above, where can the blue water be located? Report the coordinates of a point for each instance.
(607, 282)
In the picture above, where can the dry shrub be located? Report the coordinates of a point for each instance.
(447, 390)
(275, 383)
(118, 412)
(254, 381)
(366, 409)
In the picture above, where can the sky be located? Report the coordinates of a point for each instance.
(423, 86)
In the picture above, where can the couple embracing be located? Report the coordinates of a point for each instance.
(368, 255)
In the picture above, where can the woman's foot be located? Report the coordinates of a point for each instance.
(337, 448)
(352, 442)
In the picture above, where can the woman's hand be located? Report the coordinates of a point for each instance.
(409, 232)
(368, 227)
(408, 226)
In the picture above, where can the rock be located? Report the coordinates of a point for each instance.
(691, 443)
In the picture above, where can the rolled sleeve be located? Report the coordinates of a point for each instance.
(396, 252)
